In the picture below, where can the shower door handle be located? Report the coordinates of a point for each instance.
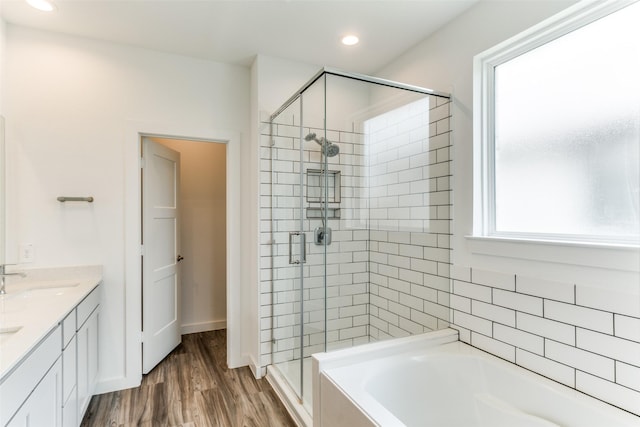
(304, 247)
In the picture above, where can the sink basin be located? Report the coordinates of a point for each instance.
(8, 332)
(47, 292)
(53, 284)
(43, 289)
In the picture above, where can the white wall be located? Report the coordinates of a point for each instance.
(549, 308)
(278, 79)
(69, 105)
(203, 207)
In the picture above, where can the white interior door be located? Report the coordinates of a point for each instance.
(161, 253)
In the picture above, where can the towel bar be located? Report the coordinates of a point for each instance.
(75, 199)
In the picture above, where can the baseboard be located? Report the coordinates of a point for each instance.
(213, 325)
(258, 371)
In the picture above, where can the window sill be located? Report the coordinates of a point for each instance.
(599, 255)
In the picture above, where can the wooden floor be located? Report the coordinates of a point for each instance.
(192, 387)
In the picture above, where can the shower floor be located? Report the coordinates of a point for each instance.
(291, 371)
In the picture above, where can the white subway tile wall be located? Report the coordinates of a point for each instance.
(586, 344)
(388, 263)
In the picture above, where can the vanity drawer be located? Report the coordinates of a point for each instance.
(86, 307)
(26, 376)
(68, 328)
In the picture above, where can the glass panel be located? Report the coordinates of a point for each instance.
(286, 268)
(567, 133)
(314, 143)
(347, 282)
(388, 264)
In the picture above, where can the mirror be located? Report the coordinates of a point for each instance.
(3, 177)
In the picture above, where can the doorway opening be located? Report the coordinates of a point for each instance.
(132, 297)
(195, 247)
(203, 233)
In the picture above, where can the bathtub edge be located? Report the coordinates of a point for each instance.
(320, 362)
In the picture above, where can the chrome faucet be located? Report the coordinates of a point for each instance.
(4, 274)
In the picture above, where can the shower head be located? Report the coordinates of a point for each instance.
(328, 148)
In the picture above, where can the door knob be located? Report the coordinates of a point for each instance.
(180, 258)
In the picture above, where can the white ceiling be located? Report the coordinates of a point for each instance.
(234, 31)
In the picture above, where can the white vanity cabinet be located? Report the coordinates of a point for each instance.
(32, 394)
(53, 384)
(42, 407)
(69, 371)
(87, 338)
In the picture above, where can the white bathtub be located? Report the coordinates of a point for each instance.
(434, 380)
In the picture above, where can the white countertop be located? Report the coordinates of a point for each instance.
(34, 305)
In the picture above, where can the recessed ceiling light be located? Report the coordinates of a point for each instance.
(44, 5)
(350, 40)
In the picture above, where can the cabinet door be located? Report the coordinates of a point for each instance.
(44, 405)
(69, 383)
(87, 361)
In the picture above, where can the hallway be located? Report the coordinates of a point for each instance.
(192, 387)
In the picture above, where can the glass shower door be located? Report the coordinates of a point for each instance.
(288, 244)
(298, 216)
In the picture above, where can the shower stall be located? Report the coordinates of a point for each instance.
(355, 219)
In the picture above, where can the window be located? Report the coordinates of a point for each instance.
(559, 130)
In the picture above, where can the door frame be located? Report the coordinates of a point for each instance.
(135, 131)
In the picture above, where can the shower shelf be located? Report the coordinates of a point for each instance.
(317, 212)
(315, 186)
